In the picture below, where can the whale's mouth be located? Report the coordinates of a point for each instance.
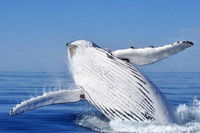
(72, 49)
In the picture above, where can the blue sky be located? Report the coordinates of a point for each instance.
(33, 33)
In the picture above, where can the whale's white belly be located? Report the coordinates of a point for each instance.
(116, 88)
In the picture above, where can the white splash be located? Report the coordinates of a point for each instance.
(185, 114)
(152, 127)
(188, 121)
(94, 123)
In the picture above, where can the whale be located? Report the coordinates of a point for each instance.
(111, 82)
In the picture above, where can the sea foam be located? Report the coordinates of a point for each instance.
(187, 120)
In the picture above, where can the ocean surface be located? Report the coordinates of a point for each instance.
(182, 91)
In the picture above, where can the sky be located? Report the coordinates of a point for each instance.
(33, 33)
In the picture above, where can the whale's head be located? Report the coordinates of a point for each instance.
(76, 45)
(79, 46)
(80, 51)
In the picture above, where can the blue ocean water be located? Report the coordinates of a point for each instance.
(182, 91)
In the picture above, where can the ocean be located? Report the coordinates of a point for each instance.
(181, 89)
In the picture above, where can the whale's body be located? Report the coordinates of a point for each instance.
(109, 82)
(116, 88)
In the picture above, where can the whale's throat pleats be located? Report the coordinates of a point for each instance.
(116, 88)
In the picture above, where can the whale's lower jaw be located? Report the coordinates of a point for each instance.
(117, 89)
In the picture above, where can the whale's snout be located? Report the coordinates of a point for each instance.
(71, 49)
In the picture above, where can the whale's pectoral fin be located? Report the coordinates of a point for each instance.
(144, 56)
(57, 97)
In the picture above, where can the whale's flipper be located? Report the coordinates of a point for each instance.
(57, 97)
(144, 56)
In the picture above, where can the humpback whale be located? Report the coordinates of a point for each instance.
(110, 81)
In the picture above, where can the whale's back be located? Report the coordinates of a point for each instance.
(116, 88)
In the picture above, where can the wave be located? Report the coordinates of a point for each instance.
(187, 120)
